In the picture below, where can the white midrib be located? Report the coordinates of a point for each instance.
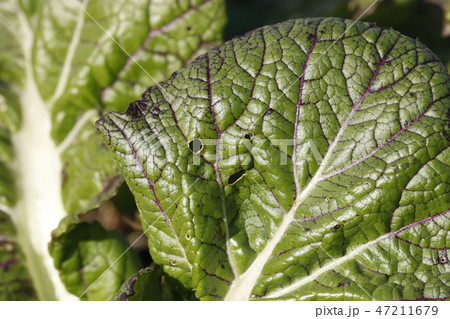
(65, 71)
(243, 285)
(38, 170)
(331, 265)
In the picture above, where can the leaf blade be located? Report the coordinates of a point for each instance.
(373, 102)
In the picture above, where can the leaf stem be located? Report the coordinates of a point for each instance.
(37, 169)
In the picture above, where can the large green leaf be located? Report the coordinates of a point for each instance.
(93, 262)
(305, 160)
(63, 63)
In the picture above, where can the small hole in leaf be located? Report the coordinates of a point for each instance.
(196, 145)
(233, 179)
(443, 260)
(336, 226)
(248, 135)
(188, 28)
(327, 199)
(188, 237)
(268, 112)
(172, 262)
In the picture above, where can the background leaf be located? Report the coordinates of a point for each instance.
(151, 283)
(15, 283)
(83, 252)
